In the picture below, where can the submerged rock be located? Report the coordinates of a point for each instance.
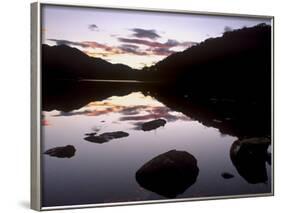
(227, 175)
(249, 156)
(105, 137)
(169, 174)
(62, 152)
(150, 125)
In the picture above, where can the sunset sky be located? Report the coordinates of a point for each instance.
(134, 38)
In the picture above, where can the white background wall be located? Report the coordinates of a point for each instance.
(15, 105)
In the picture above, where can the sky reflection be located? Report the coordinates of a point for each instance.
(133, 107)
(90, 172)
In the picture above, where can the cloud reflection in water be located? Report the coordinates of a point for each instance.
(133, 107)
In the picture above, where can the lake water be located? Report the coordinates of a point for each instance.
(106, 172)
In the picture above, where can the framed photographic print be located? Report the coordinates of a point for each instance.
(135, 105)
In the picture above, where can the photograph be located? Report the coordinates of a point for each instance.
(151, 106)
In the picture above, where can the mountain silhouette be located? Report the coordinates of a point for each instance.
(62, 62)
(236, 64)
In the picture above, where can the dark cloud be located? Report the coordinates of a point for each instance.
(188, 44)
(86, 44)
(93, 27)
(162, 51)
(67, 42)
(143, 33)
(168, 44)
(140, 41)
(172, 43)
(130, 48)
(158, 48)
(98, 54)
(94, 44)
(124, 48)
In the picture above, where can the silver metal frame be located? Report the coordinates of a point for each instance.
(35, 107)
(36, 187)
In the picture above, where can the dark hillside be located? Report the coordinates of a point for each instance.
(238, 63)
(64, 62)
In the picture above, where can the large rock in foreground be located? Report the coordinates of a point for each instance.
(169, 174)
(150, 125)
(249, 156)
(105, 137)
(62, 152)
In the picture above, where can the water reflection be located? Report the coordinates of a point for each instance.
(133, 107)
(232, 116)
(169, 174)
(123, 171)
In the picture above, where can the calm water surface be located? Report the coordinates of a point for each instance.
(105, 172)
